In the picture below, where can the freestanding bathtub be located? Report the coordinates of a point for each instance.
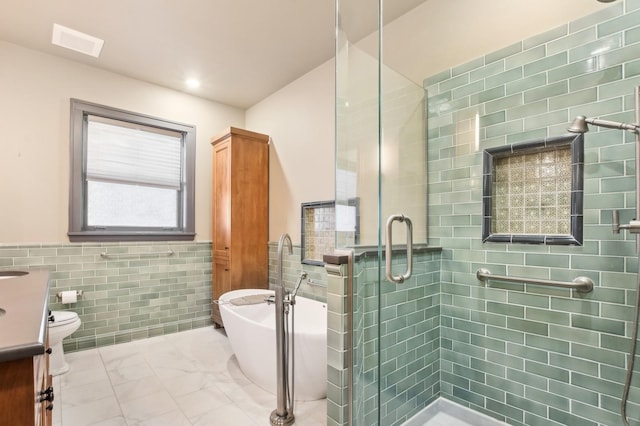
(252, 335)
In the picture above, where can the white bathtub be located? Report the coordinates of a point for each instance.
(251, 332)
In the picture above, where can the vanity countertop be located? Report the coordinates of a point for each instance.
(24, 310)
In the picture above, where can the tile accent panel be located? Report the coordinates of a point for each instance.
(523, 354)
(319, 227)
(525, 189)
(531, 193)
(132, 294)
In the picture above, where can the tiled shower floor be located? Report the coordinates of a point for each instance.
(182, 379)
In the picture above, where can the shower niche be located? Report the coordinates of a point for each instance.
(323, 224)
(533, 192)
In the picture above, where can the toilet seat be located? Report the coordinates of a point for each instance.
(63, 317)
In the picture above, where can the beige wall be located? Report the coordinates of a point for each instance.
(34, 112)
(435, 36)
(300, 120)
(34, 149)
(439, 34)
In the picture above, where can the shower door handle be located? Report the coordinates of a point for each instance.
(398, 279)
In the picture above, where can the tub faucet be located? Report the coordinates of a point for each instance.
(284, 238)
(283, 414)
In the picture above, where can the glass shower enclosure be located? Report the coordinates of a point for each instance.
(381, 162)
(413, 147)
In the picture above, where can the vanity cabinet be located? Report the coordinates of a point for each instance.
(240, 213)
(26, 391)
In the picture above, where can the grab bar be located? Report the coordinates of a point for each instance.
(581, 284)
(116, 255)
(399, 279)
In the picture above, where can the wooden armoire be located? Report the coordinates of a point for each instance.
(240, 229)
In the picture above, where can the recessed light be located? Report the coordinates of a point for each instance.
(192, 83)
(77, 41)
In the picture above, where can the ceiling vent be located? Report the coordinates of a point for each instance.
(77, 41)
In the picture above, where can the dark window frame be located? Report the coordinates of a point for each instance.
(78, 231)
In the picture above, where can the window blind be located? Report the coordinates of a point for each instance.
(133, 154)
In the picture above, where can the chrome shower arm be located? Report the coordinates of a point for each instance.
(579, 125)
(635, 128)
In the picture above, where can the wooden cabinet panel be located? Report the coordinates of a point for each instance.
(221, 199)
(240, 210)
(22, 385)
(17, 391)
(222, 283)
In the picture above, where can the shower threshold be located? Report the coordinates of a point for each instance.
(443, 412)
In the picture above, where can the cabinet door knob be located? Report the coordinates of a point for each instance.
(47, 395)
(49, 407)
(47, 391)
(49, 351)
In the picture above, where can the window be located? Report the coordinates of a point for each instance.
(132, 176)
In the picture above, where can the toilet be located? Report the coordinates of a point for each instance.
(63, 325)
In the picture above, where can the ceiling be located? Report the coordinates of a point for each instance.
(241, 50)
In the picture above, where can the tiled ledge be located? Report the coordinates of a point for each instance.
(365, 252)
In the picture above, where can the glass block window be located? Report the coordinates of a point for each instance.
(533, 192)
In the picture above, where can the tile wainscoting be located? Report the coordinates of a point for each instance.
(134, 292)
(137, 290)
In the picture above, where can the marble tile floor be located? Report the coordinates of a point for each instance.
(182, 379)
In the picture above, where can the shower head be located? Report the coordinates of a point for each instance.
(579, 125)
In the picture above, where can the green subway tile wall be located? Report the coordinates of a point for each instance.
(137, 291)
(313, 287)
(406, 344)
(523, 354)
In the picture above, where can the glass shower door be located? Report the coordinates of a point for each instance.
(381, 162)
(407, 320)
